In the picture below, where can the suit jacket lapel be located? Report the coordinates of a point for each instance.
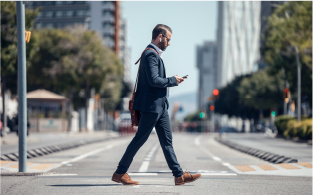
(161, 60)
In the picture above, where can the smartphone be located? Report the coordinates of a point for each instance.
(184, 77)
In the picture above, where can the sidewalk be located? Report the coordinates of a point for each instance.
(9, 143)
(288, 148)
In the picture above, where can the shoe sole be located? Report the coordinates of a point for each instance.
(188, 181)
(124, 183)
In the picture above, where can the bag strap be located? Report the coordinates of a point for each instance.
(133, 97)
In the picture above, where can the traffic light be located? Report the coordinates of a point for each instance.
(273, 114)
(215, 92)
(212, 107)
(286, 95)
(202, 114)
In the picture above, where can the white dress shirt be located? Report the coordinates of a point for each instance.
(157, 49)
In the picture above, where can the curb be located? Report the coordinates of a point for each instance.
(33, 153)
(264, 155)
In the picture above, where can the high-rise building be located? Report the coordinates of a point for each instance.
(104, 17)
(207, 65)
(238, 39)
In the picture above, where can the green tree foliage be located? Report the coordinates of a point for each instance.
(231, 103)
(261, 90)
(9, 41)
(289, 26)
(72, 59)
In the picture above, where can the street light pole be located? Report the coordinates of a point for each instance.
(298, 86)
(22, 122)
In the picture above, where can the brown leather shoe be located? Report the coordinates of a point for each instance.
(186, 178)
(124, 179)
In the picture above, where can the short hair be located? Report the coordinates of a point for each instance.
(160, 29)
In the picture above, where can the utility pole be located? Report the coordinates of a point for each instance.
(22, 114)
(298, 86)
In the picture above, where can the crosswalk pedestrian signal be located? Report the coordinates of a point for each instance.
(273, 114)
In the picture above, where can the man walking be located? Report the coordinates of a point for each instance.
(151, 99)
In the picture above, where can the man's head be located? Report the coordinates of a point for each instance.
(161, 36)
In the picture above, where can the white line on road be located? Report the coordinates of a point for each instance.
(145, 164)
(216, 158)
(87, 154)
(226, 164)
(197, 140)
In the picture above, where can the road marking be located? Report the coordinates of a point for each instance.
(197, 140)
(6, 162)
(226, 164)
(223, 174)
(143, 174)
(287, 166)
(145, 164)
(216, 158)
(305, 164)
(266, 167)
(57, 175)
(42, 166)
(245, 168)
(87, 154)
(16, 165)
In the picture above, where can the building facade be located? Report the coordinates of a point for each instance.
(104, 17)
(238, 39)
(207, 65)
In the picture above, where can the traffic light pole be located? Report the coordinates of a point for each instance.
(22, 114)
(298, 86)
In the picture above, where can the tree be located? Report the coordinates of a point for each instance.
(289, 26)
(9, 42)
(261, 90)
(69, 60)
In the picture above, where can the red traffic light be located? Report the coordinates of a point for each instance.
(286, 90)
(212, 107)
(215, 92)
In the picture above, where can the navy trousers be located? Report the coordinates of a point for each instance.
(161, 122)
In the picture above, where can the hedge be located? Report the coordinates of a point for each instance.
(290, 127)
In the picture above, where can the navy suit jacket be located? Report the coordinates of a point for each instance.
(152, 83)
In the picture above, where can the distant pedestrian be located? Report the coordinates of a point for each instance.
(151, 99)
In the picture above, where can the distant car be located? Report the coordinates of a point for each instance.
(125, 127)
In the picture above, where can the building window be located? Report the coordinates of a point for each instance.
(59, 25)
(38, 25)
(106, 13)
(69, 13)
(49, 14)
(49, 25)
(68, 2)
(59, 2)
(39, 15)
(59, 14)
(82, 13)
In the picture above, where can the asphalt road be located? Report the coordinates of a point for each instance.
(88, 170)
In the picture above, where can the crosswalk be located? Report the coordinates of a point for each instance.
(12, 166)
(283, 169)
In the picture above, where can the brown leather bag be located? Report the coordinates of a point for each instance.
(135, 114)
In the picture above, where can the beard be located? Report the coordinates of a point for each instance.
(162, 46)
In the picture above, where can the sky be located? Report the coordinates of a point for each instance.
(192, 23)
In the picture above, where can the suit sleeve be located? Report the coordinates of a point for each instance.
(152, 72)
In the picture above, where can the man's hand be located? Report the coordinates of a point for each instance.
(178, 79)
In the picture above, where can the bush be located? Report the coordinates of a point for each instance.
(281, 123)
(301, 129)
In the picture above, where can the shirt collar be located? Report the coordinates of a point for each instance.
(157, 49)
